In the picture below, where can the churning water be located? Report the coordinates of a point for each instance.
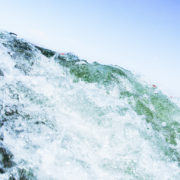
(65, 119)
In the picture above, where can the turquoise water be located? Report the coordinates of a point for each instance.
(63, 118)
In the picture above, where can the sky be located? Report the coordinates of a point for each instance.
(140, 35)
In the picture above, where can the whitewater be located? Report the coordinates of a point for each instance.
(62, 118)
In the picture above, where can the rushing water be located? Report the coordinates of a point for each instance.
(64, 119)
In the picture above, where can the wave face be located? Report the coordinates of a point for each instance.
(63, 118)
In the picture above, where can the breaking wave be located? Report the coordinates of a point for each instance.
(62, 118)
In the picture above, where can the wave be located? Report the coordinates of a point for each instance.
(64, 118)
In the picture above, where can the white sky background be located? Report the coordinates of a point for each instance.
(142, 36)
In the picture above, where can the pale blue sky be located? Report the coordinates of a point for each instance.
(140, 35)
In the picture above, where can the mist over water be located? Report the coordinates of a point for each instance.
(63, 118)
